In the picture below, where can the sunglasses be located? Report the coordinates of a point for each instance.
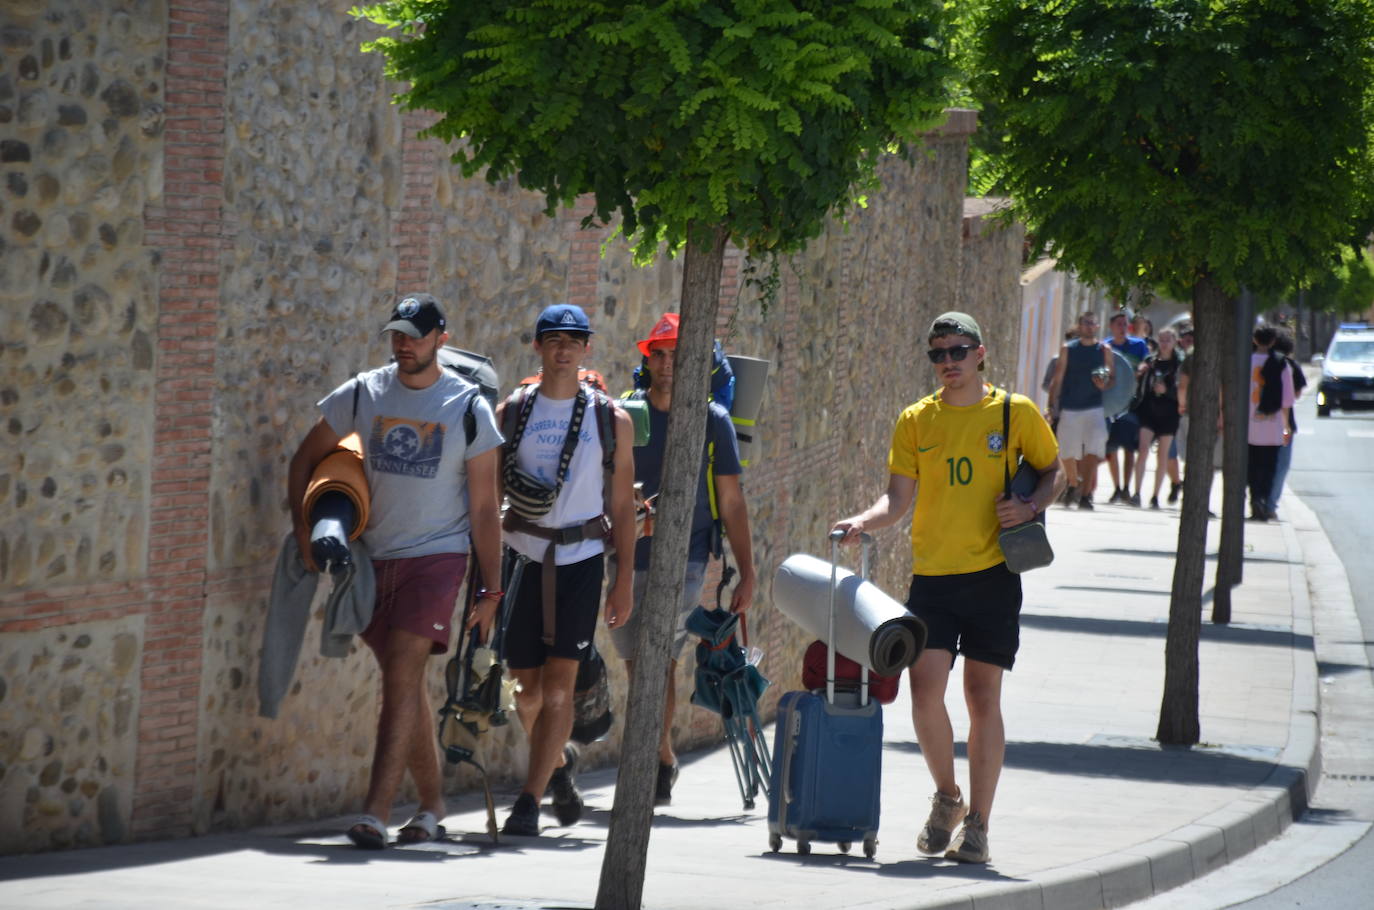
(956, 353)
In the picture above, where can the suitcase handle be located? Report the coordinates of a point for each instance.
(865, 551)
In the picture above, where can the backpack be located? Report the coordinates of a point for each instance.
(601, 407)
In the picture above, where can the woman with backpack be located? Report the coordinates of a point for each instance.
(1164, 388)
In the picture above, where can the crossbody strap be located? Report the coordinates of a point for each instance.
(1006, 442)
(526, 405)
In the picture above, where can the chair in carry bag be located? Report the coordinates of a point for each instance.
(828, 757)
(728, 684)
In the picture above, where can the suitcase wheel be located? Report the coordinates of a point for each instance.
(870, 847)
(844, 846)
(774, 843)
(803, 847)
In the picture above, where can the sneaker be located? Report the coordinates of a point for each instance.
(1174, 490)
(1133, 500)
(971, 846)
(1068, 496)
(663, 789)
(567, 801)
(1085, 503)
(1154, 503)
(945, 814)
(524, 817)
(1117, 496)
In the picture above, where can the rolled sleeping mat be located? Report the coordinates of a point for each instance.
(331, 517)
(870, 628)
(342, 471)
(751, 379)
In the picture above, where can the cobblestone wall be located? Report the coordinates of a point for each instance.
(69, 701)
(173, 306)
(81, 106)
(312, 174)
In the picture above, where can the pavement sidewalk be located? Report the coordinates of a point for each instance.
(1090, 812)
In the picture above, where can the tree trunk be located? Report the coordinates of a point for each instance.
(1235, 391)
(627, 843)
(1178, 710)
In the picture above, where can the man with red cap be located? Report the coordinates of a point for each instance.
(720, 475)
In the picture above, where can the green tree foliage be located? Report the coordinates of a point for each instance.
(763, 115)
(1160, 141)
(1197, 146)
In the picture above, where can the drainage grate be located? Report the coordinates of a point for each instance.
(1359, 777)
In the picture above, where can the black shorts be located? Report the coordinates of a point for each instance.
(977, 614)
(1159, 417)
(577, 604)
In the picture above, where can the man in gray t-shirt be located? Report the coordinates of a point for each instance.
(430, 452)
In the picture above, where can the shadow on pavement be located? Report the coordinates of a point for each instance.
(1170, 554)
(1239, 767)
(1234, 633)
(828, 855)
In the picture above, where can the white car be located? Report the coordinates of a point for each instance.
(1348, 370)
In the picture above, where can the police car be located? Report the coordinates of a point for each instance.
(1348, 370)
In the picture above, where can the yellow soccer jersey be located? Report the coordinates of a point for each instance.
(956, 456)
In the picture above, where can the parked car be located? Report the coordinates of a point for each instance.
(1347, 370)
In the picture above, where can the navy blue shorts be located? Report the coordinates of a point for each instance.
(977, 614)
(1124, 432)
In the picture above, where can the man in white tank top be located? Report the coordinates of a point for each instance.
(545, 660)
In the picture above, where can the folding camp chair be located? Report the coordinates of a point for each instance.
(730, 685)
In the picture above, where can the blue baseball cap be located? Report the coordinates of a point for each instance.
(562, 317)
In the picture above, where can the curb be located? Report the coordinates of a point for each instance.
(1210, 842)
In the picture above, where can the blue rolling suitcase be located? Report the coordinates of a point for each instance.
(827, 760)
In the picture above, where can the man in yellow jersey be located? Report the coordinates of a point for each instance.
(952, 446)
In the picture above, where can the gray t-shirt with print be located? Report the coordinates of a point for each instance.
(415, 453)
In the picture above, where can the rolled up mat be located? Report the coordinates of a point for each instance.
(342, 470)
(870, 627)
(751, 378)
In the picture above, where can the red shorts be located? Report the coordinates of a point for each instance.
(416, 595)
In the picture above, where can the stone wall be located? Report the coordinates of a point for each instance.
(990, 286)
(242, 219)
(81, 99)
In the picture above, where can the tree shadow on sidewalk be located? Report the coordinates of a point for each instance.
(1232, 633)
(1130, 759)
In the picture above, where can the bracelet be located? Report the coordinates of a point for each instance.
(493, 595)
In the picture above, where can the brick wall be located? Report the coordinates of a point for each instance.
(187, 229)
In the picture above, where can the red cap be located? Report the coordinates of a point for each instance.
(664, 330)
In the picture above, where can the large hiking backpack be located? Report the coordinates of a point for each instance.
(475, 368)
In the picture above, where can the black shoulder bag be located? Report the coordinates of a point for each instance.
(1025, 546)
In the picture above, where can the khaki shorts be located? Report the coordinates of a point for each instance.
(1082, 433)
(624, 636)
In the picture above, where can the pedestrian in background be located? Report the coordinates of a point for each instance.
(1283, 345)
(1271, 406)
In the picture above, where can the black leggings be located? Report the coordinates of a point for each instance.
(1263, 461)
